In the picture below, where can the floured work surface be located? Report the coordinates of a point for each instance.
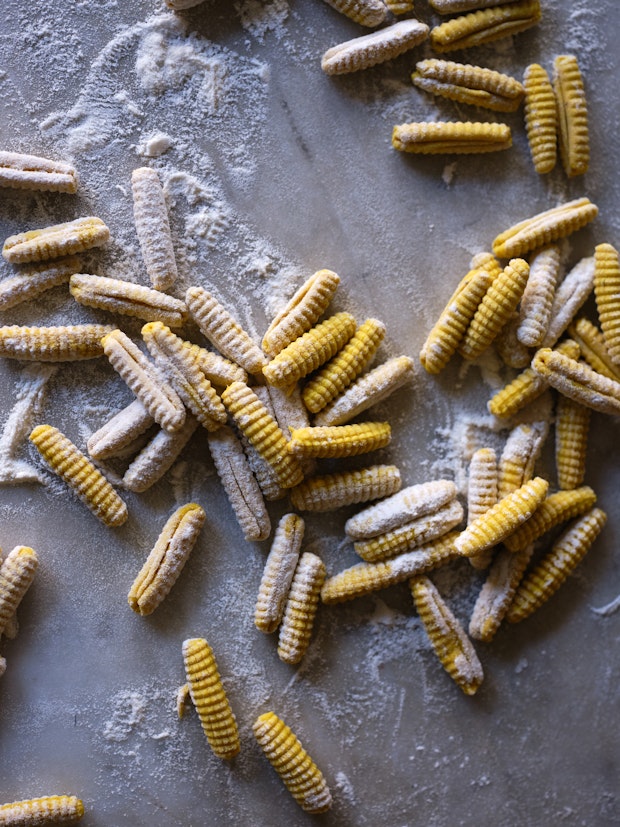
(271, 171)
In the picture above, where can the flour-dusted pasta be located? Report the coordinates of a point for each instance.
(371, 49)
(578, 381)
(593, 348)
(573, 135)
(485, 26)
(556, 509)
(537, 300)
(16, 574)
(153, 227)
(278, 572)
(572, 423)
(300, 608)
(481, 495)
(54, 242)
(465, 83)
(37, 812)
(127, 298)
(31, 172)
(35, 280)
(572, 292)
(62, 343)
(455, 137)
(365, 12)
(118, 433)
(517, 460)
(330, 491)
(157, 456)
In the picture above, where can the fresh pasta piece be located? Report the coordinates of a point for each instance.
(265, 475)
(239, 483)
(289, 411)
(128, 299)
(284, 751)
(278, 572)
(573, 137)
(346, 366)
(593, 348)
(331, 491)
(36, 812)
(572, 423)
(454, 6)
(64, 343)
(31, 172)
(481, 495)
(153, 228)
(545, 578)
(167, 558)
(16, 574)
(465, 83)
(36, 280)
(537, 299)
(144, 380)
(517, 460)
(455, 137)
(209, 697)
(607, 294)
(569, 297)
(339, 440)
(300, 608)
(555, 509)
(158, 456)
(578, 381)
(541, 118)
(510, 350)
(218, 370)
(223, 331)
(54, 242)
(544, 228)
(408, 504)
(120, 431)
(67, 461)
(397, 7)
(368, 390)
(365, 12)
(452, 646)
(371, 49)
(485, 26)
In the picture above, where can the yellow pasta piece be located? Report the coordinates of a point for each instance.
(556, 509)
(448, 331)
(508, 347)
(607, 294)
(448, 638)
(572, 422)
(36, 812)
(128, 299)
(346, 365)
(485, 26)
(167, 558)
(578, 381)
(517, 460)
(368, 390)
(68, 343)
(278, 572)
(67, 461)
(397, 7)
(153, 228)
(157, 456)
(365, 12)
(218, 370)
(544, 228)
(495, 309)
(545, 578)
(265, 475)
(54, 242)
(371, 49)
(574, 141)
(120, 431)
(481, 494)
(310, 350)
(500, 521)
(465, 83)
(455, 137)
(35, 280)
(339, 440)
(454, 6)
(223, 331)
(331, 491)
(570, 295)
(16, 574)
(541, 118)
(365, 578)
(593, 348)
(145, 380)
(284, 751)
(209, 698)
(537, 299)
(300, 608)
(289, 411)
(30, 172)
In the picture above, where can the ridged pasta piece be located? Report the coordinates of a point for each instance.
(64, 343)
(607, 294)
(365, 12)
(508, 347)
(220, 371)
(454, 137)
(153, 228)
(593, 348)
(364, 578)
(573, 137)
(158, 456)
(496, 307)
(223, 331)
(16, 574)
(448, 638)
(35, 280)
(465, 83)
(339, 440)
(144, 379)
(454, 6)
(209, 697)
(481, 494)
(300, 608)
(289, 411)
(331, 491)
(128, 299)
(572, 292)
(537, 299)
(284, 751)
(265, 475)
(449, 329)
(518, 458)
(578, 381)
(368, 390)
(120, 431)
(36, 812)
(239, 484)
(548, 575)
(398, 7)
(278, 572)
(544, 228)
(572, 423)
(31, 172)
(56, 241)
(485, 26)
(503, 519)
(165, 562)
(541, 118)
(67, 461)
(556, 509)
(345, 366)
(371, 49)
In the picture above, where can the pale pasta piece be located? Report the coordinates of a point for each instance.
(578, 381)
(572, 423)
(167, 558)
(455, 137)
(54, 242)
(64, 343)
(365, 12)
(541, 118)
(119, 432)
(481, 495)
(16, 574)
(67, 461)
(518, 459)
(330, 441)
(537, 300)
(31, 172)
(153, 228)
(371, 49)
(485, 26)
(37, 812)
(454, 6)
(331, 491)
(218, 370)
(607, 294)
(300, 608)
(127, 298)
(465, 83)
(570, 295)
(573, 136)
(278, 572)
(36, 280)
(158, 456)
